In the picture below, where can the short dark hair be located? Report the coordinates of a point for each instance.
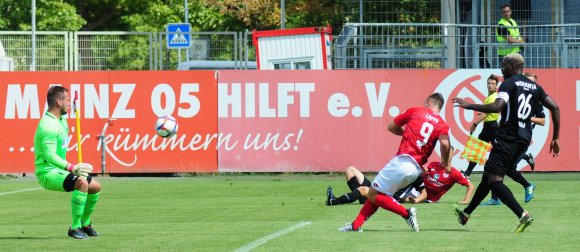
(505, 5)
(493, 77)
(55, 93)
(437, 98)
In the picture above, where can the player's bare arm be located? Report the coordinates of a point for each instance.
(468, 193)
(494, 107)
(551, 105)
(538, 121)
(395, 129)
(420, 198)
(445, 148)
(480, 117)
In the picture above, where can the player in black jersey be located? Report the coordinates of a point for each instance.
(518, 98)
(539, 118)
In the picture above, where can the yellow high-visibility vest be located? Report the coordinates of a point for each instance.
(513, 31)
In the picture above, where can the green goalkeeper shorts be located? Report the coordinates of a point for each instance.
(54, 179)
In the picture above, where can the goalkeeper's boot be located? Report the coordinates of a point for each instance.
(77, 233)
(524, 222)
(329, 196)
(529, 193)
(348, 228)
(412, 219)
(461, 216)
(491, 202)
(90, 231)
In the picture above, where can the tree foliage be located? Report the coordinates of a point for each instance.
(153, 15)
(254, 14)
(314, 13)
(50, 16)
(203, 15)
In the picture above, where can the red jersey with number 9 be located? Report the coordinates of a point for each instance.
(421, 132)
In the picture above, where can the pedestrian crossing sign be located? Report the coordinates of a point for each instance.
(178, 35)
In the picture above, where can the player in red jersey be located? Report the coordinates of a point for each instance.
(438, 181)
(429, 188)
(423, 127)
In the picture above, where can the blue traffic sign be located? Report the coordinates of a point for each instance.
(178, 35)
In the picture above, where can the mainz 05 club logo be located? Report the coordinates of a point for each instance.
(472, 86)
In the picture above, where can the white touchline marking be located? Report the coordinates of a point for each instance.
(271, 236)
(18, 191)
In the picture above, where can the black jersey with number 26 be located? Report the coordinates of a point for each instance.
(523, 98)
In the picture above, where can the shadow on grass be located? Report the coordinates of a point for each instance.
(25, 238)
(422, 230)
(445, 229)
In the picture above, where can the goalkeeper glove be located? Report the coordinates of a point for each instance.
(80, 169)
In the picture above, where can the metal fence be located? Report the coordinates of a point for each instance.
(451, 46)
(481, 12)
(391, 11)
(113, 51)
(358, 46)
(52, 49)
(64, 51)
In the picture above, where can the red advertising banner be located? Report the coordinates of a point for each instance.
(233, 121)
(135, 100)
(328, 120)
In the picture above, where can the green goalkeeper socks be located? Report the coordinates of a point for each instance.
(89, 208)
(77, 201)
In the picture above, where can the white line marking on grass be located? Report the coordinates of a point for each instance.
(271, 236)
(19, 191)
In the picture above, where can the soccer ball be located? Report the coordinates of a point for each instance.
(166, 126)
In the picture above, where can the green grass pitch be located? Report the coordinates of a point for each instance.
(277, 213)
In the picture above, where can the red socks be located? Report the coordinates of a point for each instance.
(384, 201)
(389, 203)
(365, 213)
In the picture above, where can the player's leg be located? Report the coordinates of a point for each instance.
(480, 193)
(362, 186)
(78, 199)
(387, 202)
(493, 201)
(354, 180)
(518, 177)
(400, 172)
(484, 186)
(529, 188)
(368, 209)
(64, 181)
(469, 169)
(505, 158)
(530, 159)
(504, 193)
(94, 191)
(364, 191)
(351, 172)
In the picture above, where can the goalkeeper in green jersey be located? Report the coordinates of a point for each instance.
(55, 173)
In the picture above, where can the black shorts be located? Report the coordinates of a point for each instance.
(353, 183)
(503, 156)
(488, 132)
(70, 180)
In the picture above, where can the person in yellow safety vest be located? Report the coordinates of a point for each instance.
(507, 33)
